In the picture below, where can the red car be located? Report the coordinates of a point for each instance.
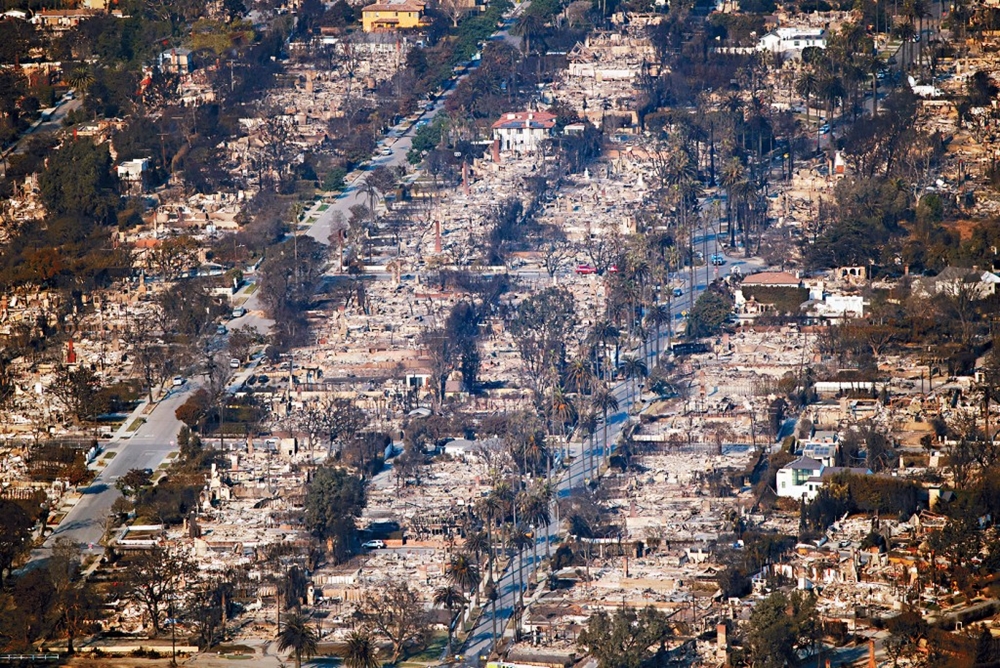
(585, 269)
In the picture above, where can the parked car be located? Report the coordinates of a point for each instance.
(678, 292)
(239, 312)
(585, 269)
(824, 129)
(222, 330)
(178, 381)
(234, 363)
(373, 545)
(718, 259)
(386, 151)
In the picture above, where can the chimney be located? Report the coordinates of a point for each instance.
(871, 653)
(720, 636)
(495, 150)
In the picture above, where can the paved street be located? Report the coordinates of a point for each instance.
(147, 448)
(479, 644)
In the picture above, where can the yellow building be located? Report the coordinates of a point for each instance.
(393, 15)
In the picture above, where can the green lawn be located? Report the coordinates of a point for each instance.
(430, 655)
(136, 423)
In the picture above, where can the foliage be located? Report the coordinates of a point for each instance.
(297, 635)
(133, 482)
(709, 313)
(426, 139)
(785, 300)
(779, 626)
(622, 640)
(334, 498)
(15, 530)
(78, 182)
(846, 492)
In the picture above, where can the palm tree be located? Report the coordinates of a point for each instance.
(362, 652)
(603, 333)
(633, 369)
(449, 598)
(561, 413)
(477, 542)
(733, 173)
(605, 401)
(657, 316)
(464, 572)
(806, 86)
(371, 190)
(534, 506)
(298, 636)
(528, 27)
(579, 375)
(588, 425)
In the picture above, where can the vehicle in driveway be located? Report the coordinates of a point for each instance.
(386, 151)
(373, 545)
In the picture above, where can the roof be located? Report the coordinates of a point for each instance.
(805, 464)
(540, 120)
(400, 6)
(772, 278)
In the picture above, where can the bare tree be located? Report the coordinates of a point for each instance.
(395, 611)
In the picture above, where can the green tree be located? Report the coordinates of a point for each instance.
(15, 530)
(709, 313)
(623, 640)
(297, 635)
(361, 652)
(463, 572)
(78, 182)
(334, 499)
(133, 482)
(780, 625)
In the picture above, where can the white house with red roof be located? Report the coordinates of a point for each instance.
(523, 131)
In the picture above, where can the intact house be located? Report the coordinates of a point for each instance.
(393, 15)
(804, 477)
(523, 131)
(791, 41)
(976, 283)
(176, 61)
(134, 173)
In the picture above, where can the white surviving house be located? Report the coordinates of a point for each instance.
(805, 476)
(523, 131)
(975, 283)
(791, 41)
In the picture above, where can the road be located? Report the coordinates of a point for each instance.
(156, 438)
(479, 644)
(65, 106)
(147, 448)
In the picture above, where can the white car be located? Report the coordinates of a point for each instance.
(178, 381)
(373, 545)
